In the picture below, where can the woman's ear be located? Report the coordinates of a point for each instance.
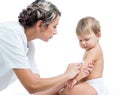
(39, 24)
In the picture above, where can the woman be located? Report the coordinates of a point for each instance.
(38, 21)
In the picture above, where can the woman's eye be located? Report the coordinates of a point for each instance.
(55, 27)
(80, 40)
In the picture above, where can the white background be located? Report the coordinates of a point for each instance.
(53, 57)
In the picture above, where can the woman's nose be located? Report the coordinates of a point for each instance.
(55, 33)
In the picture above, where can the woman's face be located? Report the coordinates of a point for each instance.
(49, 31)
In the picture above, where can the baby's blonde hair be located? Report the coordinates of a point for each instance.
(87, 25)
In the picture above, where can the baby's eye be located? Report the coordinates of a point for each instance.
(86, 39)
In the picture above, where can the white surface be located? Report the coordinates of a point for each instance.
(53, 57)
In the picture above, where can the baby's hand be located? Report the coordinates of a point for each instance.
(83, 73)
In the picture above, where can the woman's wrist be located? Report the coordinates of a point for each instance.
(67, 76)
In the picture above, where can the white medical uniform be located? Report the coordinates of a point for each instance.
(14, 52)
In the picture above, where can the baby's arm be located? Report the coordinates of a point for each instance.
(80, 76)
(84, 72)
(89, 58)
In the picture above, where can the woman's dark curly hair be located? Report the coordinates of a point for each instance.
(38, 10)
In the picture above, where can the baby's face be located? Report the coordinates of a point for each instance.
(87, 41)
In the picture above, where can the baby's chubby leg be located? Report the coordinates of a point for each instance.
(80, 89)
(44, 93)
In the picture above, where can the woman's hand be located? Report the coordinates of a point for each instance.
(73, 69)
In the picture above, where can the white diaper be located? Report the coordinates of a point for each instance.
(98, 85)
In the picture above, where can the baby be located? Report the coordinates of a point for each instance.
(88, 33)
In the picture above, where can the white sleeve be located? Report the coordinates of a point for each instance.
(12, 50)
(31, 54)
